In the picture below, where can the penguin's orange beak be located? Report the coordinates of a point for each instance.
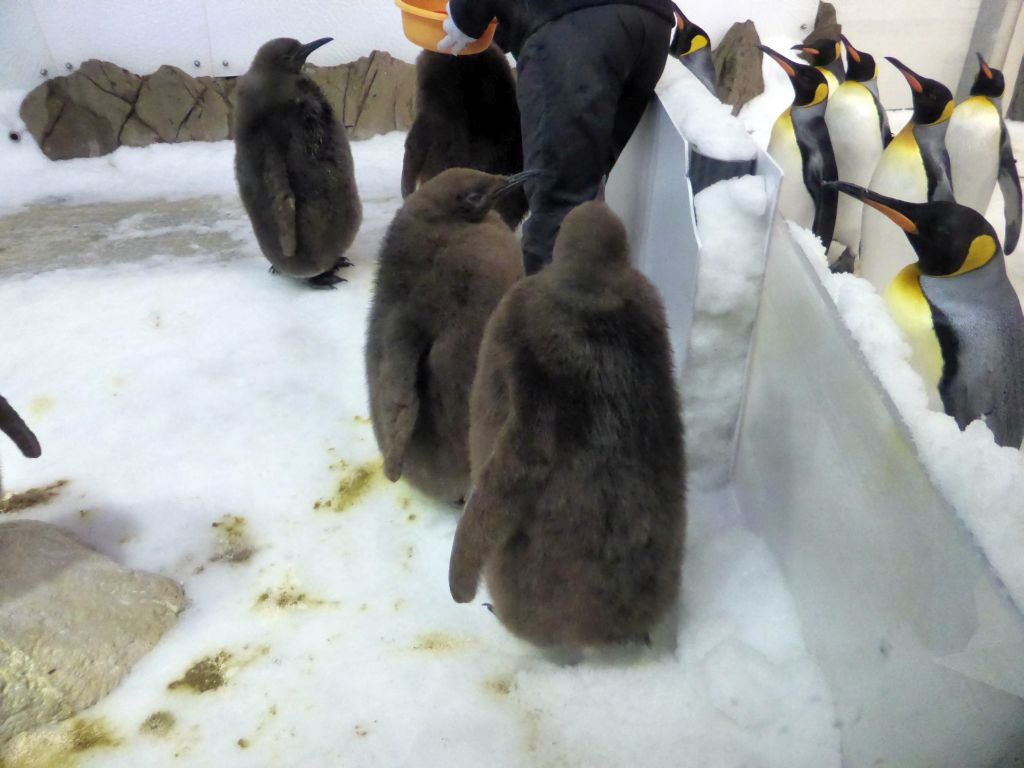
(781, 60)
(854, 53)
(884, 205)
(806, 49)
(984, 67)
(911, 76)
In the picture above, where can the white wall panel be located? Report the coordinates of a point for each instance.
(138, 35)
(239, 27)
(23, 50)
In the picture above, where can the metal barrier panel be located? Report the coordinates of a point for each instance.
(899, 606)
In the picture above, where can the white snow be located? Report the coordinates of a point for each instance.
(981, 480)
(732, 223)
(701, 118)
(173, 394)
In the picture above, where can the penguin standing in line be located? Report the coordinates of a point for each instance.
(446, 261)
(692, 46)
(959, 311)
(826, 55)
(12, 425)
(980, 152)
(467, 117)
(294, 166)
(577, 514)
(859, 130)
(915, 168)
(800, 144)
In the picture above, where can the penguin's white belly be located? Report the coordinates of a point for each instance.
(795, 202)
(973, 143)
(884, 248)
(856, 133)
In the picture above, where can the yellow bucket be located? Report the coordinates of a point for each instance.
(422, 20)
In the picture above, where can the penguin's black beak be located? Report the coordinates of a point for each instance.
(985, 69)
(303, 53)
(913, 79)
(782, 61)
(514, 182)
(900, 212)
(853, 52)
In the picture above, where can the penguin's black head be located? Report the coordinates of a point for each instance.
(591, 240)
(809, 85)
(860, 66)
(285, 54)
(462, 194)
(949, 238)
(933, 102)
(989, 82)
(688, 37)
(819, 53)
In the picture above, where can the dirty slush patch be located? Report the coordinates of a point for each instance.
(58, 746)
(33, 497)
(353, 484)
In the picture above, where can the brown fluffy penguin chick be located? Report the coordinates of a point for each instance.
(468, 117)
(577, 513)
(446, 261)
(294, 166)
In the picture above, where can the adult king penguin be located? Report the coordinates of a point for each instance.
(959, 311)
(294, 166)
(826, 55)
(446, 261)
(914, 167)
(859, 130)
(801, 146)
(577, 514)
(980, 152)
(692, 46)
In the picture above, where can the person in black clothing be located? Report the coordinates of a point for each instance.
(587, 69)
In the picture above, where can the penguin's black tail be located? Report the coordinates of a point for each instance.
(16, 429)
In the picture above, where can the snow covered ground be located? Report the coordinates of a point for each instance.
(211, 422)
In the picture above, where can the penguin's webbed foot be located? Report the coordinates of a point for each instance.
(273, 270)
(343, 262)
(326, 281)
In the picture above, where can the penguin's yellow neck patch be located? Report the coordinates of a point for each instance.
(982, 249)
(911, 311)
(946, 113)
(904, 141)
(820, 94)
(698, 42)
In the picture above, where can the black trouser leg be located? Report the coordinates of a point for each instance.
(584, 81)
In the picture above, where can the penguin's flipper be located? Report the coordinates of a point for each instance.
(1009, 186)
(507, 487)
(397, 398)
(282, 202)
(416, 144)
(15, 428)
(826, 198)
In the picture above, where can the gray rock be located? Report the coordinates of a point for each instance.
(738, 65)
(102, 106)
(72, 624)
(1016, 108)
(166, 101)
(826, 24)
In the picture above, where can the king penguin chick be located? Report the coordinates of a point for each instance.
(294, 166)
(980, 152)
(577, 514)
(12, 425)
(826, 56)
(800, 144)
(446, 261)
(959, 311)
(468, 117)
(914, 167)
(692, 46)
(859, 130)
